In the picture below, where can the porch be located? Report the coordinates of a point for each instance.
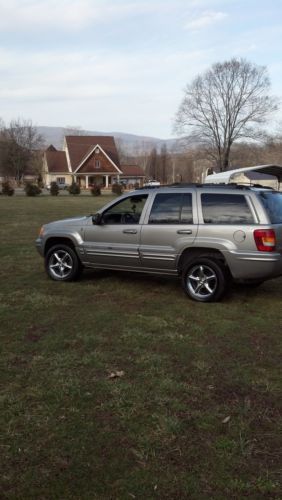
(86, 181)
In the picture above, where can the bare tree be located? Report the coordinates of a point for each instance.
(74, 130)
(3, 150)
(23, 143)
(225, 104)
(152, 166)
(124, 157)
(141, 152)
(164, 164)
(2, 126)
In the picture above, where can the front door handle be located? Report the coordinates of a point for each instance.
(184, 231)
(130, 231)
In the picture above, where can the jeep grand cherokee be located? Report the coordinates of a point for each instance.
(207, 235)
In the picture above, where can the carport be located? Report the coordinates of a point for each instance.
(229, 176)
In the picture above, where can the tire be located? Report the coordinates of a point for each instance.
(62, 263)
(204, 279)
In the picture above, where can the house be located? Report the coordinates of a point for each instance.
(88, 160)
(132, 175)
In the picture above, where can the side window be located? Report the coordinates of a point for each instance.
(221, 208)
(172, 208)
(127, 211)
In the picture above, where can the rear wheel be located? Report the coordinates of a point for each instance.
(62, 263)
(204, 279)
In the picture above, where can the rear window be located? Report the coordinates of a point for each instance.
(224, 208)
(272, 202)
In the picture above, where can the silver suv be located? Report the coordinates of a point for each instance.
(207, 235)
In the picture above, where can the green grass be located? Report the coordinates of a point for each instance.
(161, 430)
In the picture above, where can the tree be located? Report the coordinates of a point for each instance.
(3, 150)
(226, 104)
(23, 143)
(122, 151)
(74, 130)
(164, 161)
(2, 126)
(152, 164)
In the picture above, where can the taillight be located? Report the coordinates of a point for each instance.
(265, 240)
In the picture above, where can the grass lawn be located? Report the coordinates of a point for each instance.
(195, 412)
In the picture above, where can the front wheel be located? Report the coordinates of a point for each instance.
(62, 263)
(204, 279)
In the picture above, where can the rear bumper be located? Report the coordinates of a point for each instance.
(254, 265)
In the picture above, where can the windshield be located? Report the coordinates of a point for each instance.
(272, 201)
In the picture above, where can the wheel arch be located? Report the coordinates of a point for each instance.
(54, 240)
(192, 253)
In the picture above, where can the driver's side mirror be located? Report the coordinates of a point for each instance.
(97, 219)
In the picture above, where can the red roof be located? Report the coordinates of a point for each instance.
(80, 145)
(51, 148)
(132, 171)
(56, 161)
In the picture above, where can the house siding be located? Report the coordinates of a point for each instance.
(90, 165)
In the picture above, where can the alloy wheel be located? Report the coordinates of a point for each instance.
(60, 264)
(202, 281)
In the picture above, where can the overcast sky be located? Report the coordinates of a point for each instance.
(122, 65)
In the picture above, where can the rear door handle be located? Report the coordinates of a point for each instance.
(184, 231)
(130, 231)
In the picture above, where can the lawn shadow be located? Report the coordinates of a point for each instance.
(130, 277)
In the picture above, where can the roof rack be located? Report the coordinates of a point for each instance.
(231, 185)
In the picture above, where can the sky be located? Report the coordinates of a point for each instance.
(122, 65)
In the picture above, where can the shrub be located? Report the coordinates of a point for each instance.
(7, 189)
(32, 189)
(96, 190)
(54, 189)
(74, 188)
(117, 189)
(40, 181)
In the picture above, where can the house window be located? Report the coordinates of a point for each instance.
(97, 164)
(61, 180)
(97, 151)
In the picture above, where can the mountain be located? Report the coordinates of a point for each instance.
(129, 143)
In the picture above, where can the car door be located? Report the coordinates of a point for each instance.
(170, 226)
(114, 242)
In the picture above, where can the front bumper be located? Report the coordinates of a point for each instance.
(39, 246)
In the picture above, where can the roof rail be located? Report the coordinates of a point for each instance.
(231, 185)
